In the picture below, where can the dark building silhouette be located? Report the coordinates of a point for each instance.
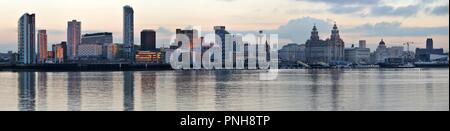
(148, 40)
(221, 32)
(424, 54)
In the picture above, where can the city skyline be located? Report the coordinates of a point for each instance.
(397, 23)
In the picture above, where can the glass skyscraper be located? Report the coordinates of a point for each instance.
(27, 39)
(128, 31)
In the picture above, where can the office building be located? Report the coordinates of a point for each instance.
(97, 38)
(148, 40)
(358, 55)
(128, 32)
(292, 53)
(425, 55)
(90, 51)
(149, 57)
(26, 39)
(42, 46)
(73, 38)
(221, 32)
(60, 52)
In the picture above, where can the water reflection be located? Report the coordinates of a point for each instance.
(42, 91)
(186, 90)
(335, 89)
(74, 91)
(148, 91)
(332, 90)
(128, 91)
(27, 91)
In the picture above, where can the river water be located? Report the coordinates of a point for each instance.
(291, 90)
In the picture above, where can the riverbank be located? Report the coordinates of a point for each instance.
(143, 67)
(86, 67)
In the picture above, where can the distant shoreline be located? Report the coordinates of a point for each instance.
(87, 67)
(115, 67)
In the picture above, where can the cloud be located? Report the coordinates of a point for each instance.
(395, 29)
(163, 37)
(346, 9)
(227, 0)
(299, 30)
(377, 8)
(391, 11)
(440, 10)
(345, 2)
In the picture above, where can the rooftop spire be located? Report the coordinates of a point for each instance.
(314, 33)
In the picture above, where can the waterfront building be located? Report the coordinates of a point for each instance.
(60, 52)
(112, 51)
(73, 38)
(90, 52)
(383, 53)
(97, 46)
(42, 46)
(50, 56)
(358, 55)
(26, 39)
(292, 53)
(221, 32)
(329, 51)
(426, 54)
(97, 38)
(128, 32)
(148, 40)
(149, 57)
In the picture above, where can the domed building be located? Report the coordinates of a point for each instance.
(383, 53)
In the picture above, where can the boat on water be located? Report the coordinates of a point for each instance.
(434, 64)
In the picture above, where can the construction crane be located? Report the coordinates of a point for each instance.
(408, 44)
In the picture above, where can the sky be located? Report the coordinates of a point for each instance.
(395, 21)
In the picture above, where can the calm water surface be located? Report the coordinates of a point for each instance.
(293, 90)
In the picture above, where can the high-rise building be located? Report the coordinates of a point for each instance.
(73, 38)
(42, 46)
(425, 54)
(148, 40)
(128, 31)
(221, 32)
(26, 39)
(430, 44)
(362, 44)
(95, 46)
